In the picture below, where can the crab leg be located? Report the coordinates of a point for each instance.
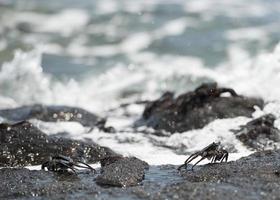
(86, 166)
(179, 168)
(198, 162)
(231, 91)
(44, 165)
(225, 156)
(192, 157)
(213, 159)
(70, 167)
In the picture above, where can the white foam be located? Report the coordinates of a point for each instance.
(174, 27)
(50, 128)
(151, 148)
(22, 80)
(106, 6)
(65, 22)
(25, 82)
(26, 67)
(236, 9)
(254, 77)
(197, 6)
(248, 33)
(136, 42)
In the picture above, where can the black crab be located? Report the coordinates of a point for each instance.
(213, 151)
(60, 163)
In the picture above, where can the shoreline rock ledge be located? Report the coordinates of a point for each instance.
(23, 144)
(195, 109)
(122, 172)
(253, 177)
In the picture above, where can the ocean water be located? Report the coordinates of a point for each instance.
(98, 54)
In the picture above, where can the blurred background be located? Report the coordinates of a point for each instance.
(167, 41)
(97, 54)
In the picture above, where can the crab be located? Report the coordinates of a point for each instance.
(212, 90)
(201, 95)
(213, 151)
(60, 163)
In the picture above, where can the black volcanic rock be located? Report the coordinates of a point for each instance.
(23, 144)
(122, 172)
(109, 160)
(29, 184)
(254, 177)
(51, 114)
(193, 110)
(259, 133)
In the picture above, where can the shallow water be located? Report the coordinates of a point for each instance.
(163, 175)
(99, 54)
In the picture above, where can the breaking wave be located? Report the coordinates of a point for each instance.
(23, 81)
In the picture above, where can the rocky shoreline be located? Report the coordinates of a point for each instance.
(195, 109)
(254, 177)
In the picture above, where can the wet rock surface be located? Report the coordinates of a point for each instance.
(30, 184)
(52, 114)
(259, 133)
(254, 177)
(123, 172)
(195, 109)
(23, 144)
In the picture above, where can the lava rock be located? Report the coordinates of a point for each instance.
(38, 184)
(109, 160)
(259, 133)
(195, 109)
(23, 144)
(52, 114)
(252, 177)
(122, 172)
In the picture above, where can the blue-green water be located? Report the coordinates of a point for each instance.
(100, 34)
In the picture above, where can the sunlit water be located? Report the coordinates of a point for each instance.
(98, 54)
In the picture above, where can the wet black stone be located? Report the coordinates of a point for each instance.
(259, 133)
(23, 144)
(52, 114)
(109, 160)
(27, 184)
(252, 177)
(122, 172)
(195, 109)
